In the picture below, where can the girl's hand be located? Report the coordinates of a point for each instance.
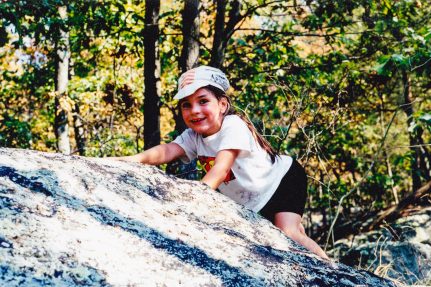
(188, 78)
(222, 166)
(157, 155)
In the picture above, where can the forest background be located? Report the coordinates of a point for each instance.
(343, 86)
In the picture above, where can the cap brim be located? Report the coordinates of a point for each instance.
(193, 87)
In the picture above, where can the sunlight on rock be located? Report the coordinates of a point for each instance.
(68, 221)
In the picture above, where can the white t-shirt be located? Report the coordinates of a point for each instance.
(253, 178)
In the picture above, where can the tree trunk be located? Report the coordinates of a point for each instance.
(62, 70)
(218, 49)
(79, 128)
(190, 52)
(419, 154)
(223, 31)
(152, 83)
(189, 59)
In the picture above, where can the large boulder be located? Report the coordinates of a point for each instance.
(401, 250)
(68, 220)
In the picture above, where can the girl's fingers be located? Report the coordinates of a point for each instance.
(188, 78)
(185, 83)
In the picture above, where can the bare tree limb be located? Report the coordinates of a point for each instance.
(394, 212)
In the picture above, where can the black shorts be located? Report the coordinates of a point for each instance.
(290, 195)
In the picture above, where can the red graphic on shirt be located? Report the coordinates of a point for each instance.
(207, 162)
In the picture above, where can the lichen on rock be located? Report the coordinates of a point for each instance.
(68, 220)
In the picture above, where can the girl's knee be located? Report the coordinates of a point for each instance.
(288, 221)
(294, 233)
(302, 229)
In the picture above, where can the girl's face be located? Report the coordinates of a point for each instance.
(203, 112)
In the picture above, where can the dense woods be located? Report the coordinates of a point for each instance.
(344, 86)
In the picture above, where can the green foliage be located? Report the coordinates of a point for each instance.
(425, 120)
(14, 133)
(323, 81)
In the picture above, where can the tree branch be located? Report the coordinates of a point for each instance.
(394, 212)
(299, 34)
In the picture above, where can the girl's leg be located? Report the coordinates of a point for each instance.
(290, 224)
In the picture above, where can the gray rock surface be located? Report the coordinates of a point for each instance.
(401, 250)
(68, 221)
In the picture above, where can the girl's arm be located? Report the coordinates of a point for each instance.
(159, 154)
(222, 165)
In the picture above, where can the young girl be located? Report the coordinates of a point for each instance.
(237, 159)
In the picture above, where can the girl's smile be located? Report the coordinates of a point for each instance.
(197, 121)
(203, 112)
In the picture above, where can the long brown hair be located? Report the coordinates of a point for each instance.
(232, 111)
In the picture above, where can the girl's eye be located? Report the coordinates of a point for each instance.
(185, 105)
(203, 101)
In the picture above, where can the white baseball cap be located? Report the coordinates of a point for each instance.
(200, 77)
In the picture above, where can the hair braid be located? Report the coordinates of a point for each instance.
(232, 111)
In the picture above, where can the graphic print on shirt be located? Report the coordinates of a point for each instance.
(207, 162)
